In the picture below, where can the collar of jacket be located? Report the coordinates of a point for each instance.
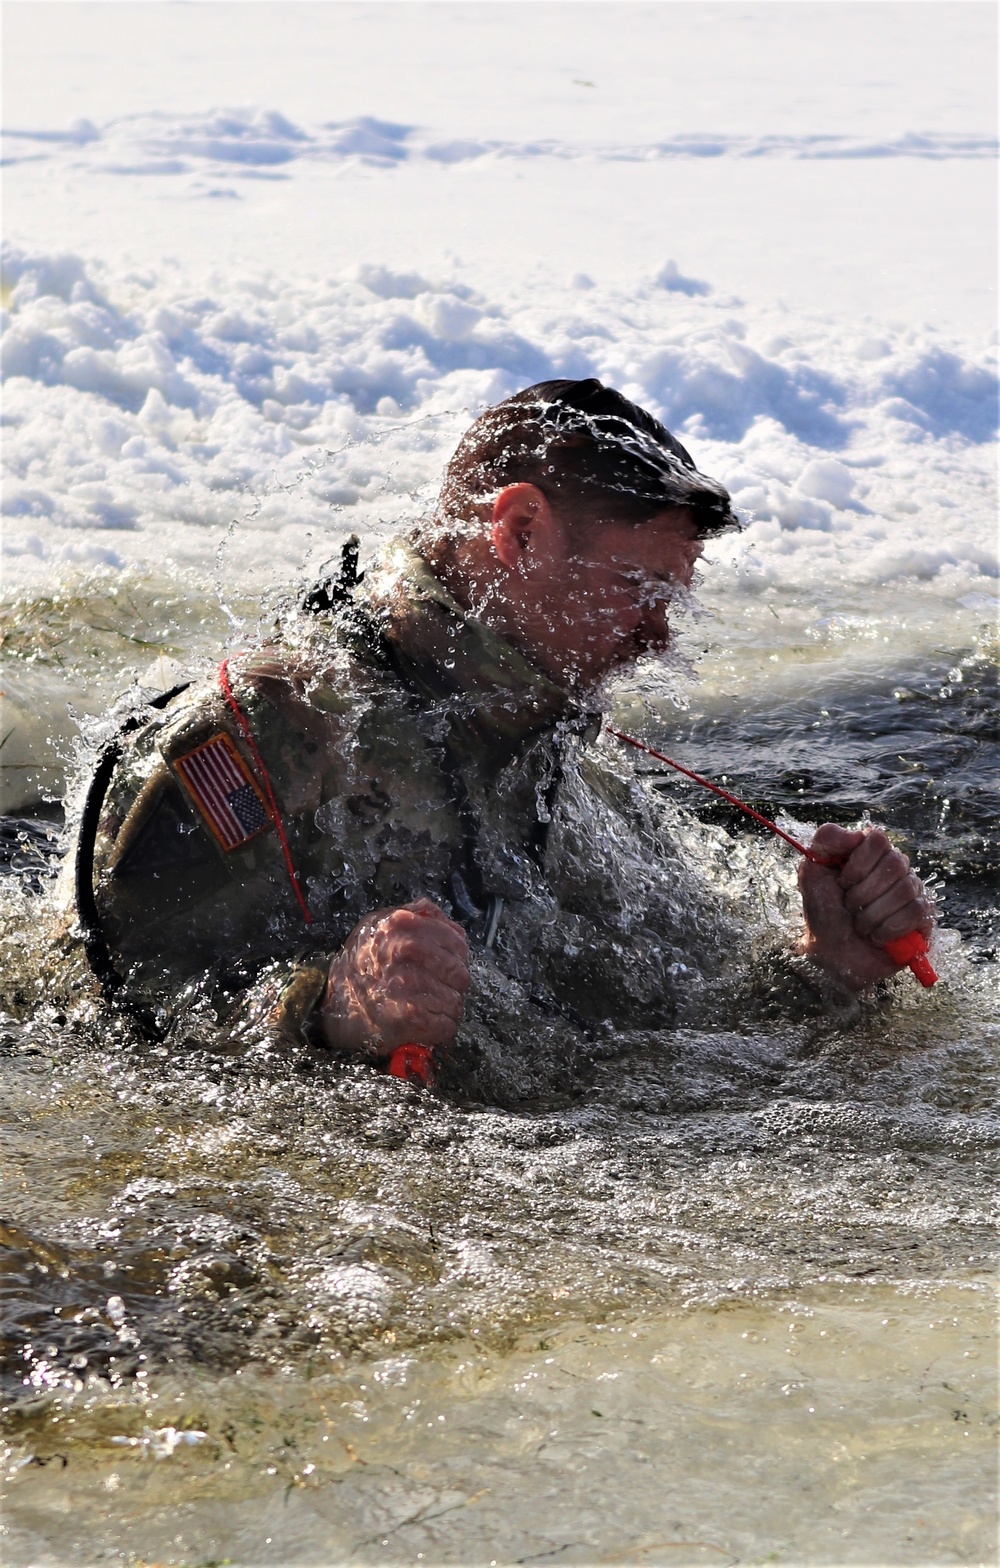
(488, 688)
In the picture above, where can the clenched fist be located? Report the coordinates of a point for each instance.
(401, 976)
(868, 898)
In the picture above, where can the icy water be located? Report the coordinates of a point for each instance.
(718, 1294)
(725, 1296)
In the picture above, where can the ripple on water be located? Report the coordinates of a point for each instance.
(714, 1294)
(849, 1425)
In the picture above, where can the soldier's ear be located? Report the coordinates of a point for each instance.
(521, 516)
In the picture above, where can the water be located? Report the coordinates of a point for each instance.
(719, 1292)
(615, 1444)
(718, 1295)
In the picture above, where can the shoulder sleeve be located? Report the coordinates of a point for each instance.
(184, 872)
(280, 1009)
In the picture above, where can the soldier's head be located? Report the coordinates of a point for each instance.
(568, 518)
(590, 451)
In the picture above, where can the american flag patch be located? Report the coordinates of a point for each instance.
(223, 788)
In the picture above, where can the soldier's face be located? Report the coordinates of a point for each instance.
(582, 597)
(610, 588)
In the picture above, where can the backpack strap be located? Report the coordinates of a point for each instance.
(95, 944)
(475, 907)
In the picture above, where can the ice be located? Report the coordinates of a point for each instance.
(255, 139)
(147, 409)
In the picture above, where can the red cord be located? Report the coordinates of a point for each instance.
(241, 719)
(717, 789)
(909, 951)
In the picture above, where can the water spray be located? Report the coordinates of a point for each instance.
(415, 1063)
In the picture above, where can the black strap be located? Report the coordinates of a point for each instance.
(335, 591)
(95, 944)
(475, 906)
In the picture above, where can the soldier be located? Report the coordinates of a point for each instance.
(414, 768)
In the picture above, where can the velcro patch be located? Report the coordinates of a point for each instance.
(225, 792)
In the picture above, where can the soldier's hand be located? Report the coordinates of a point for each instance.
(401, 976)
(869, 898)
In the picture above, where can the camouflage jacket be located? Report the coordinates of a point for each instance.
(409, 752)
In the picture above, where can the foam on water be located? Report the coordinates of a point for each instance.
(338, 1307)
(754, 1431)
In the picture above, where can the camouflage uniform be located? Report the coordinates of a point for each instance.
(412, 752)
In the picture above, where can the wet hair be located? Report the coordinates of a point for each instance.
(583, 444)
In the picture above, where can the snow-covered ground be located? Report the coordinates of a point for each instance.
(143, 409)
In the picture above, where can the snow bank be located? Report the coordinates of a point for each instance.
(145, 414)
(250, 141)
(232, 335)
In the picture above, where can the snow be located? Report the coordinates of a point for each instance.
(141, 413)
(522, 71)
(258, 139)
(770, 224)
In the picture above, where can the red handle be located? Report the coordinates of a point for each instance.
(911, 950)
(414, 1064)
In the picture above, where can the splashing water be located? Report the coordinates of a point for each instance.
(288, 1310)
